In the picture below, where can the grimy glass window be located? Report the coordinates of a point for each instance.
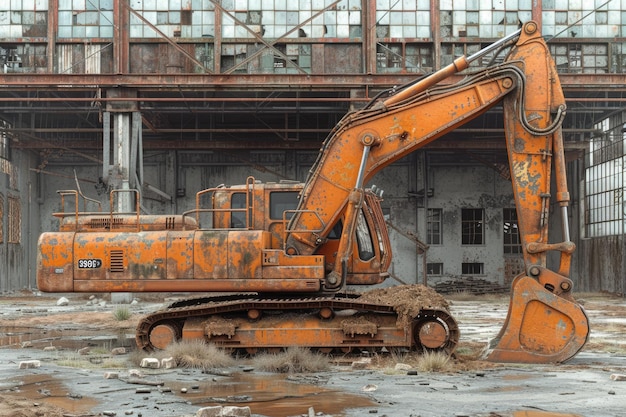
(238, 218)
(15, 221)
(434, 233)
(472, 227)
(605, 179)
(472, 268)
(510, 231)
(281, 202)
(434, 268)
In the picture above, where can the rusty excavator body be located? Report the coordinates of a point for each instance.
(281, 255)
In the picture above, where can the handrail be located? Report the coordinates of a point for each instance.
(77, 213)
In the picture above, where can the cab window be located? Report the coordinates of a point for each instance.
(282, 201)
(238, 218)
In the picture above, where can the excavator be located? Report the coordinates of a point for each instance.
(276, 259)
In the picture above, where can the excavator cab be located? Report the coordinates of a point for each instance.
(269, 206)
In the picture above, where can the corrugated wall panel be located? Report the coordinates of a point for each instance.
(64, 59)
(92, 59)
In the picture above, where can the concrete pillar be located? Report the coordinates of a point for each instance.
(121, 172)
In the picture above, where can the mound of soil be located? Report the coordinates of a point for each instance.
(407, 300)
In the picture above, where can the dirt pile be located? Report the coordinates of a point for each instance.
(407, 300)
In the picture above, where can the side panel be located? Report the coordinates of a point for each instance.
(235, 260)
(210, 255)
(55, 262)
(120, 256)
(224, 254)
(278, 265)
(180, 255)
(245, 253)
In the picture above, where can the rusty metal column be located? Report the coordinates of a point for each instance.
(217, 42)
(368, 22)
(121, 44)
(435, 25)
(53, 28)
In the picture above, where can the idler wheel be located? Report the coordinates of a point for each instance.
(433, 334)
(163, 335)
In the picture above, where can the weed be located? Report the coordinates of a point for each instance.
(197, 354)
(470, 351)
(122, 313)
(135, 357)
(90, 362)
(292, 360)
(433, 362)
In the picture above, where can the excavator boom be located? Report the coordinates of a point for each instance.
(544, 323)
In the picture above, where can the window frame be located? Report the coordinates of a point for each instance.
(511, 238)
(431, 222)
(472, 227)
(434, 269)
(14, 226)
(472, 268)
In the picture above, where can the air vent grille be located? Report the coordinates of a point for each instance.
(116, 260)
(103, 223)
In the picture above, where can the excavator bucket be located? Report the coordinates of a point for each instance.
(541, 326)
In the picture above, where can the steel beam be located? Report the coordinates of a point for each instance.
(16, 82)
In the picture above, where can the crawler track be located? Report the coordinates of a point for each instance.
(325, 323)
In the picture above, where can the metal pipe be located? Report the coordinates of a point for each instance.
(361, 174)
(458, 65)
(494, 46)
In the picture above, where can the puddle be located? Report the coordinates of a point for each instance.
(272, 395)
(46, 389)
(16, 336)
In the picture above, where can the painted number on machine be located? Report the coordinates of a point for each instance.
(89, 263)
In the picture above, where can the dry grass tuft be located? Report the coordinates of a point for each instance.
(135, 356)
(470, 351)
(122, 313)
(90, 362)
(292, 360)
(197, 354)
(433, 362)
(188, 354)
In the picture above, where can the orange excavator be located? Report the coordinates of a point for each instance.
(279, 256)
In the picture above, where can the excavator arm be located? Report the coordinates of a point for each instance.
(544, 323)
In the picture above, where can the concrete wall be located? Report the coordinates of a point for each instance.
(457, 187)
(454, 187)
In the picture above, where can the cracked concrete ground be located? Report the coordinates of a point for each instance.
(68, 384)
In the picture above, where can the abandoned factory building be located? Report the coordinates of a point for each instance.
(172, 97)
